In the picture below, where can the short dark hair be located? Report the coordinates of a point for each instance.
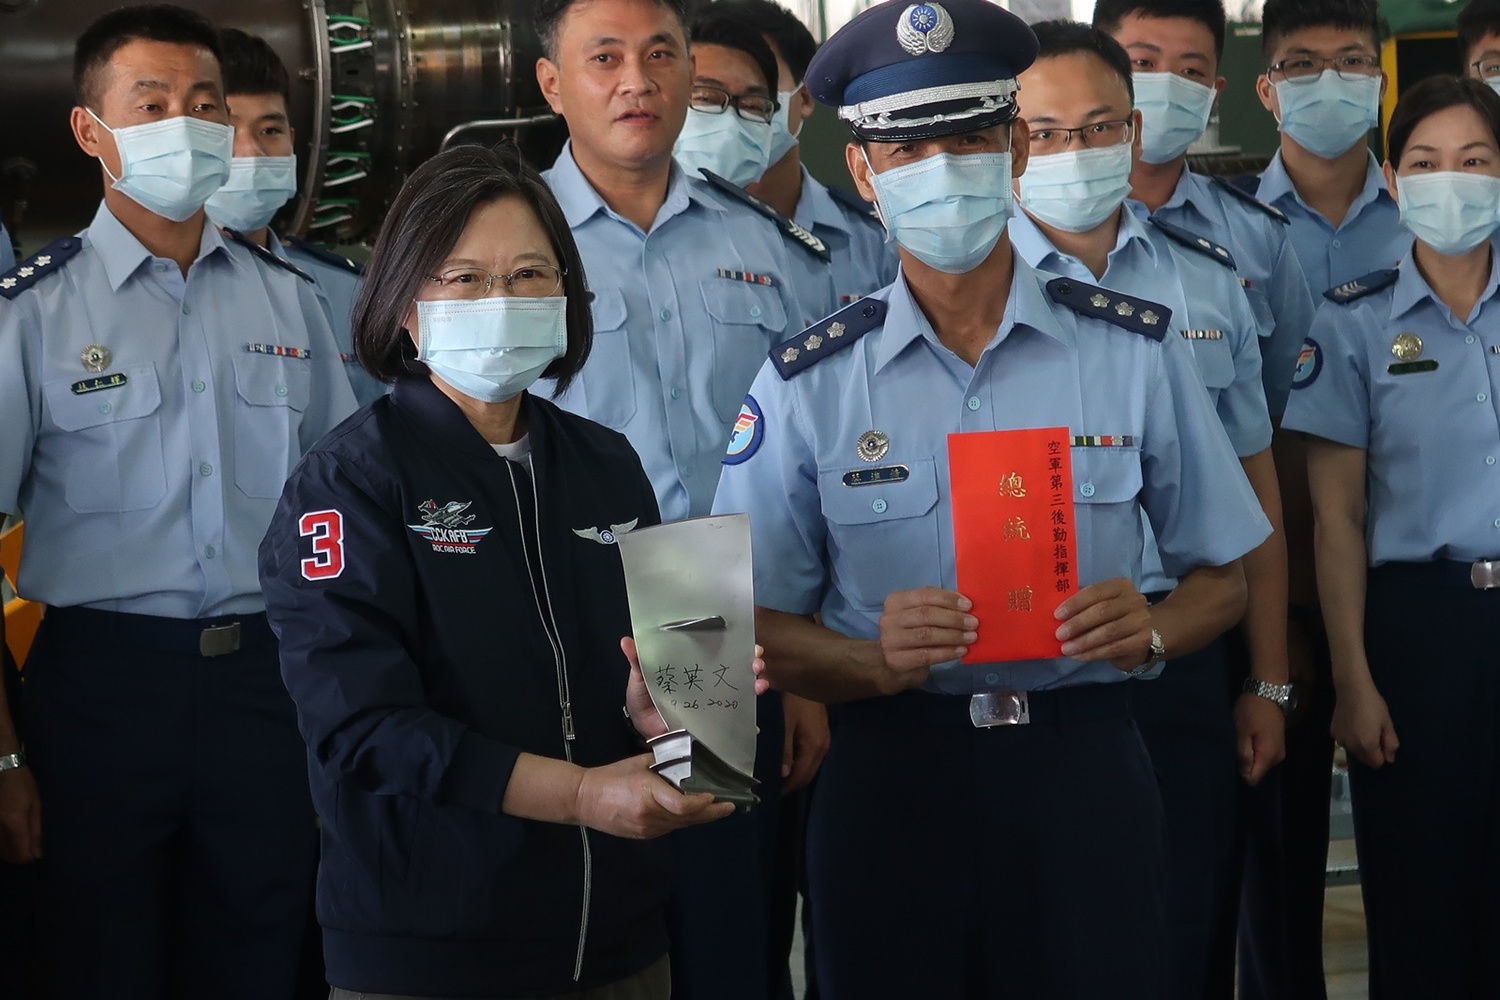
(1108, 14)
(713, 28)
(547, 17)
(251, 66)
(1279, 18)
(1432, 94)
(1063, 37)
(787, 35)
(422, 226)
(1477, 19)
(150, 22)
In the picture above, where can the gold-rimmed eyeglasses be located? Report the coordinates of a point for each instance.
(533, 281)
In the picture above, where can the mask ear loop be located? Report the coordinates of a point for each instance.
(879, 212)
(113, 179)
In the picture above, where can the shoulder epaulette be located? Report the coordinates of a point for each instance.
(1193, 241)
(326, 256)
(36, 267)
(789, 229)
(1249, 198)
(268, 256)
(1362, 286)
(854, 203)
(1248, 183)
(1149, 319)
(827, 336)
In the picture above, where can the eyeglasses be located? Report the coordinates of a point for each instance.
(751, 107)
(1306, 69)
(1098, 135)
(534, 281)
(1488, 68)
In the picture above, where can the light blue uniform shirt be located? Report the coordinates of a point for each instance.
(1267, 265)
(151, 496)
(823, 546)
(1431, 437)
(1370, 238)
(7, 252)
(337, 287)
(1229, 367)
(863, 260)
(683, 317)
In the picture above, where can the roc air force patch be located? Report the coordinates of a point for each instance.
(1309, 364)
(749, 431)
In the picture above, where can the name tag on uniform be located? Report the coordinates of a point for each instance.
(1412, 367)
(99, 384)
(875, 477)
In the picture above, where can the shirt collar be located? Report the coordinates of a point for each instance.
(581, 202)
(1033, 245)
(1183, 196)
(1027, 306)
(1276, 187)
(122, 254)
(816, 207)
(1411, 289)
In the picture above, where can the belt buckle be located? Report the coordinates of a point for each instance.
(1485, 574)
(220, 640)
(999, 708)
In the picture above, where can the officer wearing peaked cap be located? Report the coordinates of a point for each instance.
(991, 830)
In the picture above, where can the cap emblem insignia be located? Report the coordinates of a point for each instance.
(925, 27)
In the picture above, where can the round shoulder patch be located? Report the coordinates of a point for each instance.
(749, 431)
(1309, 364)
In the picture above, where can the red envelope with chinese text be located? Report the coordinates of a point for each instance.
(1013, 528)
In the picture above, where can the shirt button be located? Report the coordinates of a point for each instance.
(281, 390)
(205, 469)
(105, 407)
(992, 678)
(676, 392)
(1469, 339)
(198, 385)
(1087, 489)
(1489, 460)
(187, 310)
(210, 552)
(878, 506)
(755, 310)
(160, 266)
(1497, 522)
(973, 402)
(1480, 397)
(666, 314)
(1336, 244)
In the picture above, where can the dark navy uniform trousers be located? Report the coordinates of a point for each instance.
(179, 831)
(1428, 826)
(1013, 862)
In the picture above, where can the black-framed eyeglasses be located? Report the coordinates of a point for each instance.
(1306, 69)
(534, 281)
(1096, 135)
(751, 107)
(1488, 68)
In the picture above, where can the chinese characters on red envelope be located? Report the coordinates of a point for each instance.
(1013, 523)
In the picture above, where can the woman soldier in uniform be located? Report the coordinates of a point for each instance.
(450, 604)
(1396, 386)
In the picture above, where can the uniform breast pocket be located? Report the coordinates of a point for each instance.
(271, 394)
(1106, 491)
(748, 320)
(113, 439)
(608, 380)
(882, 538)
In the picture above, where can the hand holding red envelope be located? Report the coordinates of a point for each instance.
(1013, 532)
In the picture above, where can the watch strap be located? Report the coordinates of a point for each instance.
(11, 761)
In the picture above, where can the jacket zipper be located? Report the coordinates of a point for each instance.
(543, 598)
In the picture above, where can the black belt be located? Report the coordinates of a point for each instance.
(1481, 575)
(1055, 707)
(181, 636)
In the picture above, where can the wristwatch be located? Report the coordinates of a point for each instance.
(1154, 655)
(11, 761)
(1284, 695)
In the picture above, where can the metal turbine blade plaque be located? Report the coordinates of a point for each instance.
(692, 609)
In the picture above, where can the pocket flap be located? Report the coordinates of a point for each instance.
(138, 396)
(730, 301)
(1106, 475)
(913, 497)
(268, 380)
(608, 307)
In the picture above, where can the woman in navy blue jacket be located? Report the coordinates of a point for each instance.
(442, 576)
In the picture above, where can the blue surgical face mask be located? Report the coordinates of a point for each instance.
(726, 144)
(1451, 211)
(948, 210)
(1076, 190)
(170, 167)
(492, 349)
(1494, 84)
(1174, 113)
(782, 140)
(257, 187)
(1329, 115)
